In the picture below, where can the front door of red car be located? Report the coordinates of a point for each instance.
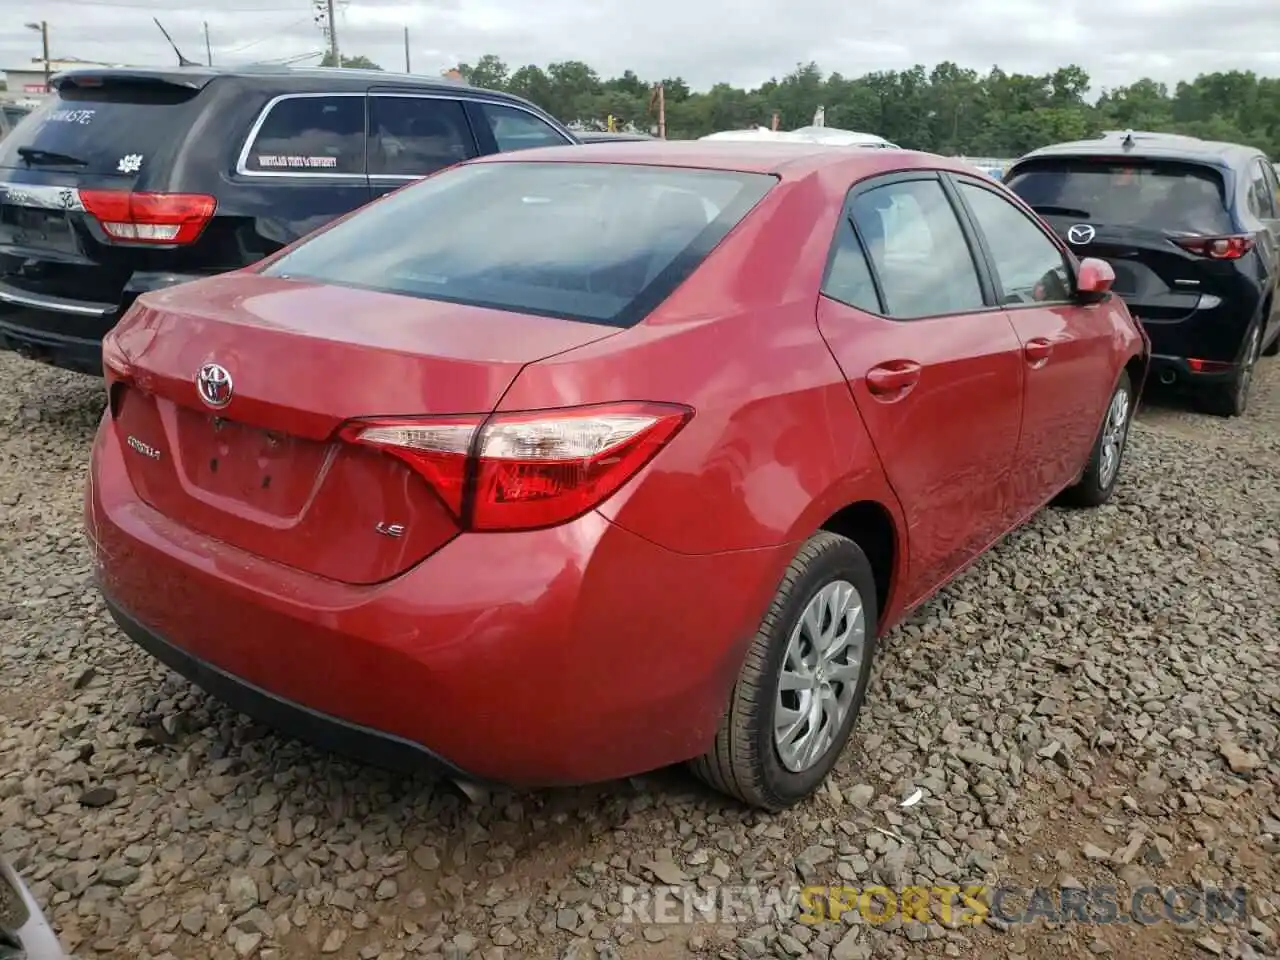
(1067, 357)
(934, 366)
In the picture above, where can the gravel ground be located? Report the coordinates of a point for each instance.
(1094, 702)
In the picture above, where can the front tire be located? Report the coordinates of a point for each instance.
(1102, 473)
(802, 684)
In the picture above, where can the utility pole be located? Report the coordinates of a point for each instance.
(208, 50)
(406, 51)
(44, 44)
(333, 35)
(43, 29)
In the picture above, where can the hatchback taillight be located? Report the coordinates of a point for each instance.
(524, 471)
(1217, 248)
(167, 218)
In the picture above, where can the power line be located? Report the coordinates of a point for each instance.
(167, 8)
(253, 43)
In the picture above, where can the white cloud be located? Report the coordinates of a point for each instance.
(739, 41)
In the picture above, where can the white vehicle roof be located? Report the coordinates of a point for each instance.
(827, 135)
(754, 133)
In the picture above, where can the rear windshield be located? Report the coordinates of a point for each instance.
(114, 129)
(1183, 198)
(604, 243)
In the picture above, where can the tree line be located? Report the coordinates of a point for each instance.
(949, 109)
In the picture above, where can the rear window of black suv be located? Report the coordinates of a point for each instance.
(602, 243)
(1161, 195)
(115, 128)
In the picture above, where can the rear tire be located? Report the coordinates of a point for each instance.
(1274, 349)
(1102, 473)
(746, 760)
(1231, 399)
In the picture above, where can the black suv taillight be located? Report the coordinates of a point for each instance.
(1217, 248)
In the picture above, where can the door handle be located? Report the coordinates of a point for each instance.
(894, 377)
(1037, 351)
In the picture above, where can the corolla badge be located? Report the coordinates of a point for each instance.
(1081, 233)
(146, 449)
(214, 385)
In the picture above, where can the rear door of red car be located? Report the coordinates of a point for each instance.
(933, 363)
(1067, 346)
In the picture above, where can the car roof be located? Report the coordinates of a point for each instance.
(327, 78)
(1148, 146)
(788, 160)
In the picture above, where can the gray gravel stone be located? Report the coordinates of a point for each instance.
(1093, 702)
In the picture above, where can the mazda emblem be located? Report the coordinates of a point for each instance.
(1081, 233)
(213, 383)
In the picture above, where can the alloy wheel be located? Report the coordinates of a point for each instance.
(1114, 432)
(819, 675)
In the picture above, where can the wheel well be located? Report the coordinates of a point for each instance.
(870, 526)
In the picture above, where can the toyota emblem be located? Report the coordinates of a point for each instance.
(1081, 233)
(214, 385)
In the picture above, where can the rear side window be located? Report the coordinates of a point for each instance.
(1273, 184)
(1262, 198)
(603, 243)
(1174, 197)
(516, 129)
(117, 129)
(848, 276)
(306, 134)
(918, 250)
(416, 136)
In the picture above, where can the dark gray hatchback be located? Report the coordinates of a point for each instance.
(128, 180)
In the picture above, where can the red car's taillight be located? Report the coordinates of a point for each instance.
(168, 218)
(523, 471)
(1217, 248)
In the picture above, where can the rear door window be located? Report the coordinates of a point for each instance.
(416, 136)
(1174, 197)
(918, 249)
(115, 129)
(316, 135)
(603, 243)
(516, 129)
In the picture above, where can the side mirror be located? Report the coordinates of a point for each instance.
(1094, 280)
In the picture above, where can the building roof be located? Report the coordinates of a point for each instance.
(70, 63)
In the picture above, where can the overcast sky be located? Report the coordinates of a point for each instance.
(742, 42)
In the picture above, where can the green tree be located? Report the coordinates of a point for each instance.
(943, 109)
(358, 62)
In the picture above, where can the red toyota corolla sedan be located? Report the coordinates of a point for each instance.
(561, 466)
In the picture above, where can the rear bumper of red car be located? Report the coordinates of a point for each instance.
(571, 655)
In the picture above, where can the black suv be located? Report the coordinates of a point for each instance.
(130, 180)
(1192, 228)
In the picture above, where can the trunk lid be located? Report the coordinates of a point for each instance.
(266, 472)
(96, 131)
(1131, 211)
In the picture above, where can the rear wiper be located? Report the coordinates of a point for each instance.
(1060, 211)
(49, 158)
